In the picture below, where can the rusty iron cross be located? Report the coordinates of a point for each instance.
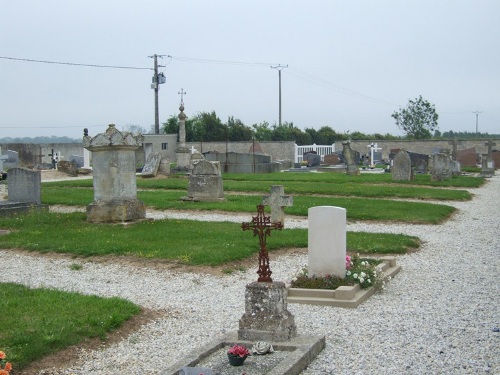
(261, 226)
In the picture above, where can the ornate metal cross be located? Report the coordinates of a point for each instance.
(261, 226)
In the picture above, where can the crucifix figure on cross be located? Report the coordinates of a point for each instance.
(261, 226)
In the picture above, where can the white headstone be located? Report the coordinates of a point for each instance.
(326, 241)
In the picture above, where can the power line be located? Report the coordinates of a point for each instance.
(211, 61)
(75, 64)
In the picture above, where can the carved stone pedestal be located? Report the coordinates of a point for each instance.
(266, 317)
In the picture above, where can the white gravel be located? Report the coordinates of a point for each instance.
(440, 315)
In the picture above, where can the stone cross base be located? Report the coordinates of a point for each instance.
(183, 158)
(266, 317)
(117, 210)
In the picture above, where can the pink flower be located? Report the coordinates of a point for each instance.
(238, 350)
(347, 262)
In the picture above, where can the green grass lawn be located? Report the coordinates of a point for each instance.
(223, 242)
(39, 322)
(357, 208)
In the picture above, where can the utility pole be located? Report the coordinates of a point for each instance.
(157, 80)
(477, 119)
(279, 68)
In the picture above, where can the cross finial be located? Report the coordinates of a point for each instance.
(182, 93)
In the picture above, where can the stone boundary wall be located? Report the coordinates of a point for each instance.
(277, 150)
(31, 154)
(422, 146)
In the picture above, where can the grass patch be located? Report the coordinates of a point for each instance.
(373, 186)
(39, 322)
(223, 242)
(357, 208)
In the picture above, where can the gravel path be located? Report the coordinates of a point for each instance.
(440, 315)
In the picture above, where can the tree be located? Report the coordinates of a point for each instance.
(262, 131)
(238, 131)
(418, 119)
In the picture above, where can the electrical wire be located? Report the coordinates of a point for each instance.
(75, 64)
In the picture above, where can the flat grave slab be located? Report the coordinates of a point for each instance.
(290, 357)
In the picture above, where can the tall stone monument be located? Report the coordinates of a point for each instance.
(115, 189)
(183, 153)
(350, 159)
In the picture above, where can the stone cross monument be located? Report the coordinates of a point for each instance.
(266, 316)
(278, 201)
(183, 154)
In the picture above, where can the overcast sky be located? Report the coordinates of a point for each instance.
(351, 63)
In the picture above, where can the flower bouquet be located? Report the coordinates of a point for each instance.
(237, 355)
(5, 367)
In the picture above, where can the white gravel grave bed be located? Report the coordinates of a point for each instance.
(440, 315)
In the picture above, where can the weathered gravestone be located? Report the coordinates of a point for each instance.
(24, 192)
(24, 185)
(195, 158)
(151, 165)
(114, 179)
(266, 316)
(326, 241)
(205, 183)
(67, 167)
(278, 201)
(401, 167)
(331, 159)
(312, 159)
(441, 167)
(350, 159)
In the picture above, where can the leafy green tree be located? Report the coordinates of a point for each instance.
(237, 131)
(418, 119)
(171, 126)
(326, 136)
(262, 131)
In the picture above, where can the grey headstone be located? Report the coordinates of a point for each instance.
(77, 160)
(401, 168)
(151, 165)
(207, 168)
(205, 182)
(313, 160)
(441, 167)
(12, 160)
(24, 185)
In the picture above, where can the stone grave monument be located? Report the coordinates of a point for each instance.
(312, 159)
(278, 201)
(205, 183)
(266, 316)
(114, 179)
(488, 165)
(151, 165)
(24, 192)
(401, 167)
(182, 153)
(441, 167)
(326, 241)
(350, 159)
